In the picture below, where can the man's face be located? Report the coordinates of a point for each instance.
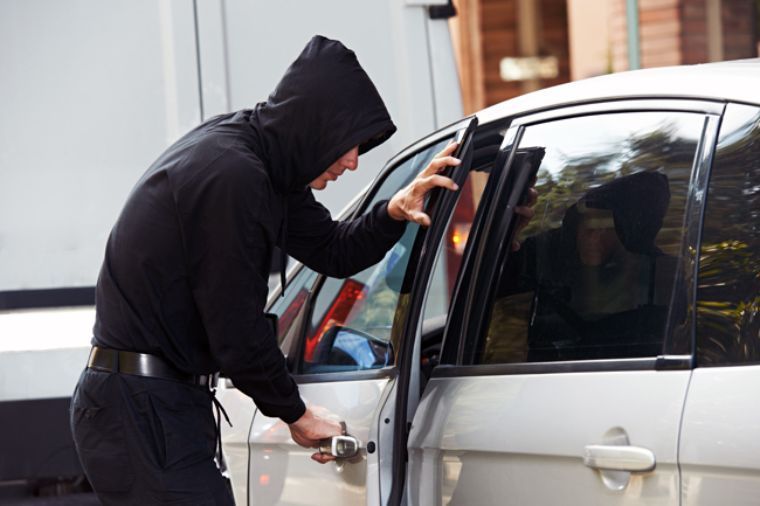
(349, 161)
(596, 238)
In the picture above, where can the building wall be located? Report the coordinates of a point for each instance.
(678, 32)
(739, 29)
(589, 49)
(498, 24)
(671, 32)
(555, 39)
(486, 31)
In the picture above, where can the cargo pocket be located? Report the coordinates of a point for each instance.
(99, 436)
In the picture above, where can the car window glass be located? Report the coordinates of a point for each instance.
(352, 320)
(596, 276)
(728, 294)
(451, 249)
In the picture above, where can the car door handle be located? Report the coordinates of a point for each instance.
(619, 458)
(340, 447)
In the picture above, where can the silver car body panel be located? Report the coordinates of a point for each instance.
(721, 82)
(281, 472)
(479, 440)
(720, 438)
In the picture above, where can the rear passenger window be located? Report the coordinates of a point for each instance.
(598, 272)
(728, 293)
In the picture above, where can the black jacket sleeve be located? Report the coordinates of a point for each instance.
(338, 249)
(229, 252)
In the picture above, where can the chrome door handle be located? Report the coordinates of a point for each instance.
(619, 458)
(341, 447)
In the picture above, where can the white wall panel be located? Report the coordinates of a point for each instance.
(91, 93)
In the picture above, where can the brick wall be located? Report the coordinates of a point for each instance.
(675, 32)
(555, 38)
(485, 31)
(499, 36)
(739, 37)
(618, 36)
(693, 38)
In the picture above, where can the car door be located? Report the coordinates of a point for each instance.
(565, 365)
(342, 338)
(720, 439)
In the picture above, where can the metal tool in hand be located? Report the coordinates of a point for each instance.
(341, 447)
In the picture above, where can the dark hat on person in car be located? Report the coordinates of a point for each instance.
(638, 203)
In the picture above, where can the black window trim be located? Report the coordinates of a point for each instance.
(694, 216)
(465, 304)
(472, 310)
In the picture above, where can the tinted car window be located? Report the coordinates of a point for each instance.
(728, 294)
(596, 276)
(352, 320)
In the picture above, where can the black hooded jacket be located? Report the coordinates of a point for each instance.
(187, 263)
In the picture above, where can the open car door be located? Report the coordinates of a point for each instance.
(347, 342)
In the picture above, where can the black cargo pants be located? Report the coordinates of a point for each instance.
(147, 441)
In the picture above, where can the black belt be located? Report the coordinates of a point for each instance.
(143, 364)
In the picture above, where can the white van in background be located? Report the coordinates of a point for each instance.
(91, 94)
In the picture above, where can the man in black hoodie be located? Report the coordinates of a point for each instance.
(182, 289)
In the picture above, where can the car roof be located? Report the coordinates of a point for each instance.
(734, 81)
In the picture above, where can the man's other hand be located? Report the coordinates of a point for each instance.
(407, 203)
(308, 430)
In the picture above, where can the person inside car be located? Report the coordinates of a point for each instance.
(600, 285)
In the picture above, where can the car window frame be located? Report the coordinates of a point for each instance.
(391, 371)
(468, 304)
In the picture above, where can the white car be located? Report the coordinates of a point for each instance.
(614, 359)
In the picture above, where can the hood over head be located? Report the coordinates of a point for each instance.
(323, 106)
(638, 203)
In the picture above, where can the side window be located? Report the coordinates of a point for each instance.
(728, 293)
(597, 274)
(351, 324)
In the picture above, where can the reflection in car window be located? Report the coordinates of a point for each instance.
(596, 274)
(354, 317)
(728, 296)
